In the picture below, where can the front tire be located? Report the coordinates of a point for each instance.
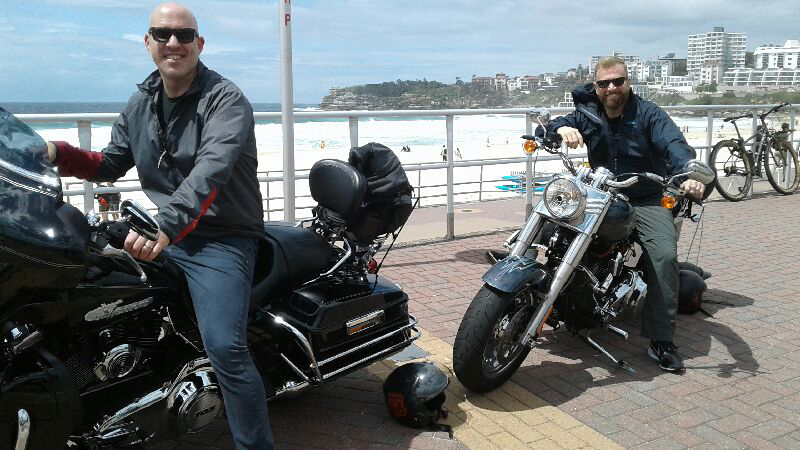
(488, 348)
(734, 171)
(782, 158)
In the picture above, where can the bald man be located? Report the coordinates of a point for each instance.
(189, 133)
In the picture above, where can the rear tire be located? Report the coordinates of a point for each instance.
(777, 157)
(733, 169)
(488, 348)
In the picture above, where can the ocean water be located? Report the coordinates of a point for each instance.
(476, 138)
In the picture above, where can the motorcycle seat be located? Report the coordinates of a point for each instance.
(288, 256)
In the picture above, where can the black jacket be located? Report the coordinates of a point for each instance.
(648, 139)
(199, 170)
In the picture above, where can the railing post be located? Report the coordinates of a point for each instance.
(451, 217)
(419, 182)
(268, 196)
(709, 129)
(528, 169)
(353, 132)
(85, 142)
(753, 148)
(480, 186)
(287, 109)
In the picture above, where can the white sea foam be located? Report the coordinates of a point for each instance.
(476, 137)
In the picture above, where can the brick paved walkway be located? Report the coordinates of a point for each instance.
(741, 389)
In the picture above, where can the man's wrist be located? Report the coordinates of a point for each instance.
(52, 151)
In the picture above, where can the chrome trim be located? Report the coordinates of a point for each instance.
(150, 399)
(411, 324)
(23, 430)
(348, 253)
(529, 231)
(29, 188)
(52, 182)
(304, 345)
(293, 387)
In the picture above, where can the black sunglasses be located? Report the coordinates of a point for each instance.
(602, 84)
(184, 35)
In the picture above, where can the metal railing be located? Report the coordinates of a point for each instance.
(84, 123)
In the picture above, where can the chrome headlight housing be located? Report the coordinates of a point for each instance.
(564, 198)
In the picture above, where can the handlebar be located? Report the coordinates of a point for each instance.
(760, 116)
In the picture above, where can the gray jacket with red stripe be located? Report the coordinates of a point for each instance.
(199, 170)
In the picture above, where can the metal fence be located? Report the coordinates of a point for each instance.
(289, 206)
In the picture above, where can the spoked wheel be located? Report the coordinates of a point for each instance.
(783, 171)
(734, 171)
(488, 348)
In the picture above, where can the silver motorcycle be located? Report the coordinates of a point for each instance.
(572, 264)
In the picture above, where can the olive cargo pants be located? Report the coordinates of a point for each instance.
(659, 240)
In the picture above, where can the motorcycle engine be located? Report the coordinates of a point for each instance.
(195, 402)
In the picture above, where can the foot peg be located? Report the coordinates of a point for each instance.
(620, 363)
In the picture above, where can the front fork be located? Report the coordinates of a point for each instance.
(562, 274)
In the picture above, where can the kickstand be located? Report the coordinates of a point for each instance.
(620, 363)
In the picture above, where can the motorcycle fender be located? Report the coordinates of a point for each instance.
(513, 273)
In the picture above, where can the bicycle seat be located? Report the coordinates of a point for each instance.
(734, 119)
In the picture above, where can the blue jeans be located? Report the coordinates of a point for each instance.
(219, 273)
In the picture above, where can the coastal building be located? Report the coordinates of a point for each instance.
(678, 83)
(726, 48)
(500, 82)
(775, 66)
(567, 101)
(710, 72)
(650, 70)
(629, 60)
(487, 82)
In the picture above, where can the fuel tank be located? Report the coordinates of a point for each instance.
(619, 222)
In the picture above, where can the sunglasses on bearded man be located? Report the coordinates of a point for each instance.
(602, 84)
(184, 35)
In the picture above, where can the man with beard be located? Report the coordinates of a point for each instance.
(625, 134)
(190, 134)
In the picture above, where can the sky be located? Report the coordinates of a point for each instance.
(93, 50)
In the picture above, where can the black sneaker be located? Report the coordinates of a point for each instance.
(667, 356)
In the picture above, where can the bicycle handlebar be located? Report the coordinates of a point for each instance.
(761, 116)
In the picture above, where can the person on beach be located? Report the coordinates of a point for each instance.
(444, 153)
(624, 134)
(108, 202)
(458, 153)
(190, 134)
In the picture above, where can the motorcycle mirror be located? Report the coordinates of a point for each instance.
(699, 171)
(140, 219)
(541, 114)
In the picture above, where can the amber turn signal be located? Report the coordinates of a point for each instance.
(529, 147)
(668, 201)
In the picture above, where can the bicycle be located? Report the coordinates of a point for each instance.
(736, 165)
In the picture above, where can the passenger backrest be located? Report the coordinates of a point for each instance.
(337, 186)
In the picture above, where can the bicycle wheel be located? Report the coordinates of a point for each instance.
(783, 171)
(733, 169)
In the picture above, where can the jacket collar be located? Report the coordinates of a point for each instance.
(153, 84)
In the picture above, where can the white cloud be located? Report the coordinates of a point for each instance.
(138, 38)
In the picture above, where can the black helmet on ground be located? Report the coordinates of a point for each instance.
(414, 394)
(690, 292)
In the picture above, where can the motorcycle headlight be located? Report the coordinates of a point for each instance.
(564, 199)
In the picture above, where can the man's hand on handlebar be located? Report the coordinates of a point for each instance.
(693, 189)
(142, 248)
(571, 136)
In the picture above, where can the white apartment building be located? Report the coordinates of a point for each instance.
(728, 49)
(629, 61)
(650, 70)
(775, 67)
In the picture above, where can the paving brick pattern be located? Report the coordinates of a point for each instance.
(741, 389)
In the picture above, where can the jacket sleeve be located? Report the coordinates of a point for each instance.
(109, 165)
(225, 134)
(669, 141)
(569, 120)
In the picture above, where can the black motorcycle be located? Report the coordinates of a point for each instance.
(100, 350)
(572, 264)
